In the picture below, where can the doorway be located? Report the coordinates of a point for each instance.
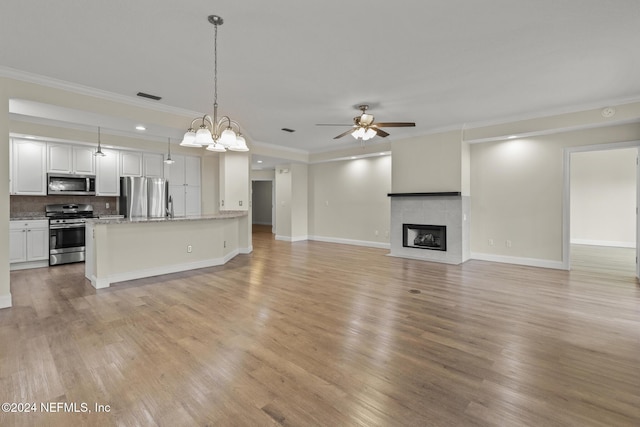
(601, 184)
(262, 203)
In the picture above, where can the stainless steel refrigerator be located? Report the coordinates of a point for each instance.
(142, 197)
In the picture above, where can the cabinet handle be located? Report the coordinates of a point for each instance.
(24, 231)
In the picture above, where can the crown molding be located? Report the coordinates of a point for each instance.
(38, 79)
(279, 147)
(615, 102)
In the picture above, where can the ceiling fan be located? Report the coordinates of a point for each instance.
(365, 128)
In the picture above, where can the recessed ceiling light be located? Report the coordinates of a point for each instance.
(259, 161)
(512, 136)
(353, 157)
(140, 127)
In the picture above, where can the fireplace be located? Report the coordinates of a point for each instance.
(422, 236)
(430, 226)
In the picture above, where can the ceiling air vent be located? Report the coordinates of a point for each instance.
(146, 95)
(288, 130)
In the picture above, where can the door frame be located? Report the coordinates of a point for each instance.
(566, 195)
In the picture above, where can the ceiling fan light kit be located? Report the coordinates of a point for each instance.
(364, 128)
(217, 135)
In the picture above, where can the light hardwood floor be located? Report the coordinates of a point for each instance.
(312, 333)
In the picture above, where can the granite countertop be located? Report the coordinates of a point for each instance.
(220, 215)
(31, 216)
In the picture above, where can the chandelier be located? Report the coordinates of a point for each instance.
(217, 134)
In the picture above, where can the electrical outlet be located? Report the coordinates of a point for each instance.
(107, 205)
(189, 248)
(375, 232)
(507, 243)
(490, 242)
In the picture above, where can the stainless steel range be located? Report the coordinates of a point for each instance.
(66, 232)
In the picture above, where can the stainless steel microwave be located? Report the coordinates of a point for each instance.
(74, 185)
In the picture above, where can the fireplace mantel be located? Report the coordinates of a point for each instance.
(438, 194)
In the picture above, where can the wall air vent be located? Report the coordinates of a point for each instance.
(146, 95)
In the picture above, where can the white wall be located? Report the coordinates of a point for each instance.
(5, 289)
(603, 197)
(430, 163)
(283, 202)
(299, 201)
(517, 192)
(348, 201)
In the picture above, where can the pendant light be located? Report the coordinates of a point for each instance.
(99, 152)
(216, 134)
(169, 160)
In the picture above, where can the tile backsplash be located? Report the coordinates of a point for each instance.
(34, 205)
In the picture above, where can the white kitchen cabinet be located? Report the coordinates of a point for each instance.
(192, 203)
(234, 181)
(29, 167)
(178, 198)
(28, 243)
(67, 158)
(130, 163)
(153, 165)
(11, 167)
(59, 158)
(184, 178)
(84, 161)
(107, 173)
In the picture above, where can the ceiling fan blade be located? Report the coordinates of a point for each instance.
(395, 125)
(332, 124)
(350, 131)
(381, 133)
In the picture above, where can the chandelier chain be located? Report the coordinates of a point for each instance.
(215, 66)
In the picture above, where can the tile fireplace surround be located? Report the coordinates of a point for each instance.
(450, 209)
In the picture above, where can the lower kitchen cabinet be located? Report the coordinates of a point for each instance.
(28, 243)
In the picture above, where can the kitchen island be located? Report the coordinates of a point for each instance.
(122, 249)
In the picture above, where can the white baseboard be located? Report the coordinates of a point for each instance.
(341, 241)
(28, 264)
(608, 243)
(245, 251)
(292, 239)
(5, 301)
(531, 262)
(158, 271)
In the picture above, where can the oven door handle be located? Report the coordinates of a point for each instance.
(58, 227)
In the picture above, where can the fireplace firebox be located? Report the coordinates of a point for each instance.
(422, 236)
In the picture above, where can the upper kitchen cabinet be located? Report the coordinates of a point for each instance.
(130, 163)
(153, 165)
(29, 164)
(184, 184)
(107, 176)
(234, 181)
(83, 160)
(74, 159)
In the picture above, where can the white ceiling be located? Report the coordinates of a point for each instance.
(293, 64)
